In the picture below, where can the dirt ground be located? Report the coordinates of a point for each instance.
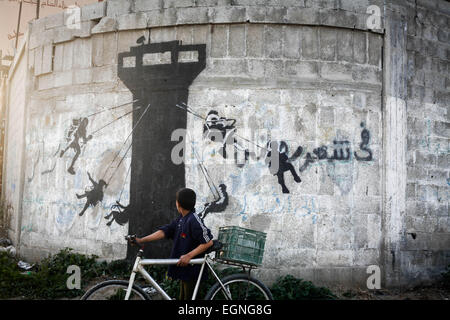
(419, 293)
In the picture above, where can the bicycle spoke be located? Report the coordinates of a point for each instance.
(240, 289)
(114, 291)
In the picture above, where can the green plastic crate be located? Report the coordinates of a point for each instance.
(240, 245)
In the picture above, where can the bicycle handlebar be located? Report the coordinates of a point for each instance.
(132, 239)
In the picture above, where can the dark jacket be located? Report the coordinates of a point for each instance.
(188, 233)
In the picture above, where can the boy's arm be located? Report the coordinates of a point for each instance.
(184, 259)
(165, 231)
(151, 237)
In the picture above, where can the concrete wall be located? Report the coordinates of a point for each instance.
(428, 133)
(359, 157)
(15, 144)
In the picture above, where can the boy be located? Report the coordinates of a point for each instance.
(191, 240)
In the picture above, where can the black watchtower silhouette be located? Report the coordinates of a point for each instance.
(154, 177)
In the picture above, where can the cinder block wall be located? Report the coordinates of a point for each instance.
(428, 132)
(307, 74)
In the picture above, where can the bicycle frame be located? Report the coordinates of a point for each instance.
(139, 267)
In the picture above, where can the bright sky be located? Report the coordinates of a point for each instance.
(9, 12)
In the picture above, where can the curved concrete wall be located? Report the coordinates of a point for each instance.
(332, 88)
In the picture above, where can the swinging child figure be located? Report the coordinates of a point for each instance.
(190, 241)
(94, 195)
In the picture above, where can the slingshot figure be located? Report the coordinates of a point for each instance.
(77, 132)
(94, 195)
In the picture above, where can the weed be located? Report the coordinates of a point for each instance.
(49, 278)
(291, 288)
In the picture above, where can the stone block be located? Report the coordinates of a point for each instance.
(84, 30)
(184, 34)
(345, 45)
(63, 78)
(46, 81)
(415, 173)
(292, 43)
(97, 50)
(328, 38)
(63, 34)
(54, 20)
(427, 193)
(425, 160)
(255, 40)
(276, 14)
(443, 161)
(367, 74)
(256, 14)
(374, 50)
(68, 55)
(38, 60)
(147, 5)
(132, 21)
(337, 18)
(310, 42)
(83, 53)
(305, 16)
(302, 69)
(157, 18)
(219, 41)
(236, 44)
(115, 8)
(227, 14)
(441, 129)
(178, 3)
(229, 67)
(82, 76)
(93, 11)
(273, 37)
(192, 15)
(256, 68)
(106, 24)
(201, 35)
(47, 59)
(336, 71)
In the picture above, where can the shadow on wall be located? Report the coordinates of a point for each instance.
(159, 76)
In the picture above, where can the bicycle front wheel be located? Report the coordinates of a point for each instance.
(239, 287)
(114, 290)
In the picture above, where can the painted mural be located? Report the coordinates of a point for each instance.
(158, 75)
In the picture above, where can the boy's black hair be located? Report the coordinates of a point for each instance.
(186, 198)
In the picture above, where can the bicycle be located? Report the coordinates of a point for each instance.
(240, 285)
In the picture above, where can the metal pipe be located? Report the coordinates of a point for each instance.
(38, 5)
(18, 23)
(146, 262)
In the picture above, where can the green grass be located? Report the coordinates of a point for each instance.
(48, 279)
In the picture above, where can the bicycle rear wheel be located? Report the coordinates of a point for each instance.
(239, 287)
(114, 290)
